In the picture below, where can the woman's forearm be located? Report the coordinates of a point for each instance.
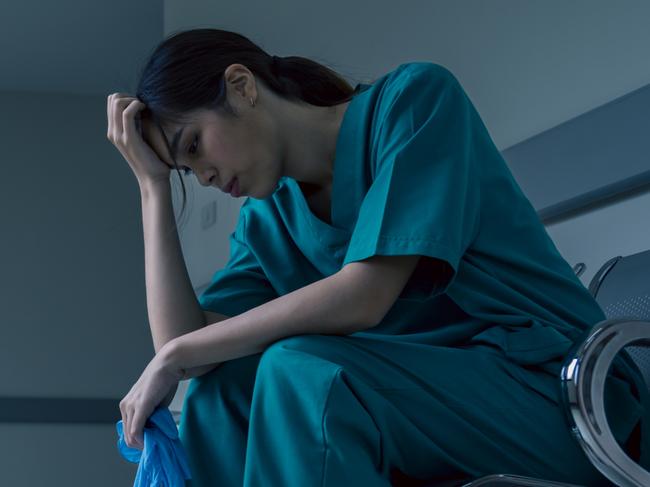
(171, 302)
(333, 305)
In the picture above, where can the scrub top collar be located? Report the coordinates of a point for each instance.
(349, 147)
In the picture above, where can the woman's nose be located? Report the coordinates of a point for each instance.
(206, 180)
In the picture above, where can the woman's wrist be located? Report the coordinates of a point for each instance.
(149, 186)
(170, 358)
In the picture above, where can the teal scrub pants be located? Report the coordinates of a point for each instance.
(333, 410)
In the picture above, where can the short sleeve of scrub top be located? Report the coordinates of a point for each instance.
(424, 198)
(242, 284)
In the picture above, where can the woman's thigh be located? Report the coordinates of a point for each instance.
(442, 411)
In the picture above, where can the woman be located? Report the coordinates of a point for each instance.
(398, 311)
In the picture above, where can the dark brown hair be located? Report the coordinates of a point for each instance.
(185, 73)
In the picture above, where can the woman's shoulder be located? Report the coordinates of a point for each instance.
(417, 80)
(409, 93)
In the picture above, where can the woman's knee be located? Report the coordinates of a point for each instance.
(230, 379)
(315, 344)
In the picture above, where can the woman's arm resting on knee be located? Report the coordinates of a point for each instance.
(348, 301)
(383, 277)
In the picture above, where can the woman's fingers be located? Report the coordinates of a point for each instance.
(128, 119)
(134, 431)
(125, 428)
(126, 423)
(115, 105)
(118, 116)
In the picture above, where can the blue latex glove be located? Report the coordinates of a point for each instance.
(162, 461)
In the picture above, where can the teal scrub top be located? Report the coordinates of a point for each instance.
(416, 172)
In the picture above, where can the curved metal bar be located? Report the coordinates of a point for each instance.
(598, 279)
(579, 268)
(584, 372)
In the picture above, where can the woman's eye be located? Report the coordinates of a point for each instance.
(193, 145)
(186, 170)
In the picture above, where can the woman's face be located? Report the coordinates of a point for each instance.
(217, 147)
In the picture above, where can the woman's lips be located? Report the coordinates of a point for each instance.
(235, 191)
(229, 186)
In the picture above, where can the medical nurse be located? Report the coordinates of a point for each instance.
(392, 309)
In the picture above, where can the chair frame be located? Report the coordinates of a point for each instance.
(583, 385)
(583, 376)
